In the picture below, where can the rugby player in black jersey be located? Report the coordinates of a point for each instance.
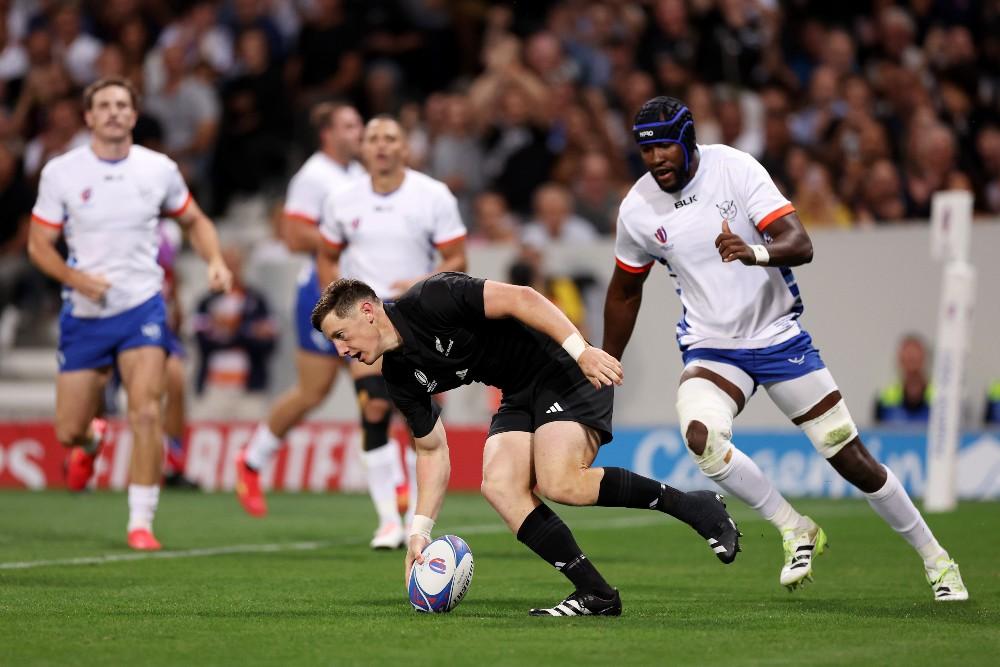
(452, 329)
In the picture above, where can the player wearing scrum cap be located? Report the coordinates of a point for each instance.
(728, 238)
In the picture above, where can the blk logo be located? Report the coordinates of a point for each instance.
(684, 202)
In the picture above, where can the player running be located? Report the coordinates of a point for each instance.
(331, 168)
(713, 216)
(452, 330)
(107, 198)
(386, 229)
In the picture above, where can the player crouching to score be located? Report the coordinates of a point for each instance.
(450, 330)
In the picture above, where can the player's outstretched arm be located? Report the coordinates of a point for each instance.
(433, 471)
(621, 307)
(42, 251)
(205, 241)
(502, 300)
(790, 245)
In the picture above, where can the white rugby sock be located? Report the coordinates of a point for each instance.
(382, 464)
(262, 448)
(411, 474)
(743, 479)
(142, 502)
(893, 504)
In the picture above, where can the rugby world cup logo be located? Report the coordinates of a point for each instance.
(661, 235)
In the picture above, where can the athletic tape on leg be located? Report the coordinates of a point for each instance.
(832, 430)
(703, 401)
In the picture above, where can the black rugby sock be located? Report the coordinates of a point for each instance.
(545, 533)
(624, 488)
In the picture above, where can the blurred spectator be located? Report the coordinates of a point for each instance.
(554, 220)
(988, 154)
(560, 290)
(931, 167)
(241, 16)
(991, 417)
(596, 194)
(197, 37)
(881, 195)
(816, 202)
(13, 62)
(810, 124)
(254, 134)
(188, 110)
(236, 335)
(907, 400)
(492, 221)
(327, 61)
(75, 48)
(63, 130)
(456, 156)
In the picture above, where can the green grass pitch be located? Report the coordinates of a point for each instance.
(301, 587)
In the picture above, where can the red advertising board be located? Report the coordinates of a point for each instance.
(317, 456)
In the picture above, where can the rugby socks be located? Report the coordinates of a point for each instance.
(545, 533)
(142, 502)
(383, 464)
(743, 479)
(624, 488)
(262, 448)
(893, 504)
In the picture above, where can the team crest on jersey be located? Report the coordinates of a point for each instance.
(661, 236)
(440, 348)
(85, 195)
(425, 381)
(355, 223)
(727, 209)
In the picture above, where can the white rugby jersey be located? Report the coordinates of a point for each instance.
(109, 212)
(394, 236)
(318, 176)
(726, 305)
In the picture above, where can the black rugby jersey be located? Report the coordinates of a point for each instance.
(448, 341)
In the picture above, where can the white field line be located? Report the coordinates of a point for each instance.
(479, 529)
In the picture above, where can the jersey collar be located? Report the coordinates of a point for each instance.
(402, 326)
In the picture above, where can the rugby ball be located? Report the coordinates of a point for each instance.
(440, 583)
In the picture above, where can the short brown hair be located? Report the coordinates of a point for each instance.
(107, 82)
(339, 297)
(324, 114)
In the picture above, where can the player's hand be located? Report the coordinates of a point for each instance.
(600, 368)
(414, 552)
(220, 278)
(733, 247)
(90, 285)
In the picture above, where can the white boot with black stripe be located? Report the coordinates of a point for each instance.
(801, 546)
(582, 603)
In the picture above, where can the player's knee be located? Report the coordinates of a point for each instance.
(831, 431)
(696, 437)
(706, 415)
(497, 492)
(144, 415)
(562, 487)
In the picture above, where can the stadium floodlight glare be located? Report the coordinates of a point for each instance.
(951, 219)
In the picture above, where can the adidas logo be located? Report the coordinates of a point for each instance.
(555, 407)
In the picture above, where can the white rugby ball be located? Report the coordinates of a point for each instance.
(440, 583)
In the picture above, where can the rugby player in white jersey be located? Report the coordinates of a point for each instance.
(334, 166)
(713, 217)
(390, 230)
(106, 198)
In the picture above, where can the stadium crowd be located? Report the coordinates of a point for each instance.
(859, 109)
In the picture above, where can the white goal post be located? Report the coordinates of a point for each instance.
(951, 219)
